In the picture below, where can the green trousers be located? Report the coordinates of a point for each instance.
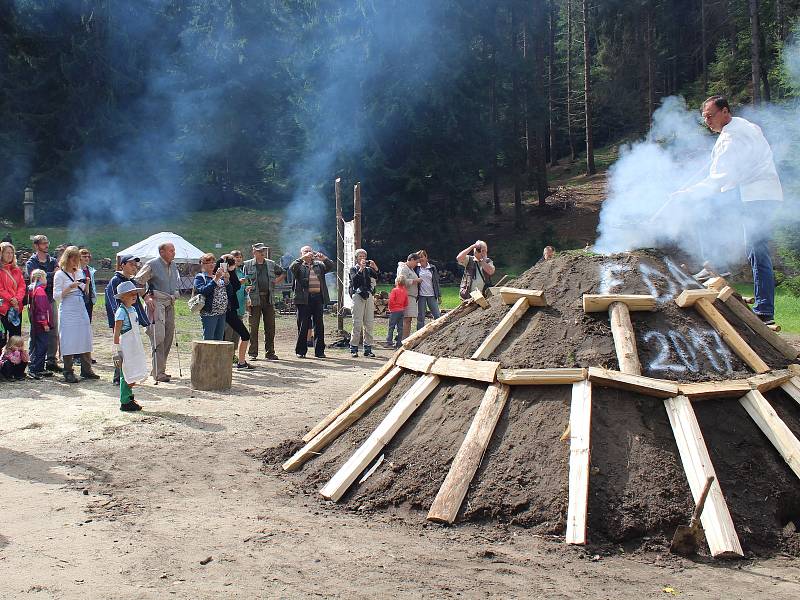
(125, 391)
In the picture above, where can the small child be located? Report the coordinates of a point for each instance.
(14, 360)
(398, 301)
(128, 349)
(40, 314)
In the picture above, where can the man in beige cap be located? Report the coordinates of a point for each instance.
(262, 274)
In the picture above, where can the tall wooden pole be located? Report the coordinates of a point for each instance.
(339, 254)
(587, 91)
(357, 214)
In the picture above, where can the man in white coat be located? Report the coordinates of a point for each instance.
(741, 162)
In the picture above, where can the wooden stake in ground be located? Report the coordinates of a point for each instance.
(466, 462)
(493, 340)
(580, 428)
(337, 188)
(702, 301)
(716, 518)
(774, 428)
(384, 433)
(619, 307)
(212, 369)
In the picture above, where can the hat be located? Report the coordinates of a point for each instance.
(128, 258)
(125, 288)
(259, 246)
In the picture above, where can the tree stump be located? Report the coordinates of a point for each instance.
(212, 369)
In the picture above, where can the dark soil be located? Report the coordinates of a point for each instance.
(638, 488)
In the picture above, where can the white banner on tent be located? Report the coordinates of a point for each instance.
(349, 260)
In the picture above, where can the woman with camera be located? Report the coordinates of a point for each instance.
(211, 283)
(362, 277)
(12, 292)
(232, 318)
(74, 328)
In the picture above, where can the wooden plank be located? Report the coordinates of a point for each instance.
(757, 325)
(726, 294)
(354, 412)
(733, 388)
(510, 295)
(416, 338)
(624, 338)
(464, 368)
(580, 427)
(769, 381)
(479, 299)
(716, 518)
(792, 387)
(369, 450)
(794, 369)
(540, 376)
(688, 298)
(493, 340)
(768, 421)
(601, 302)
(451, 495)
(715, 283)
(331, 417)
(416, 361)
(659, 388)
(729, 335)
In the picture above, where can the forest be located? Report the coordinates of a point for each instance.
(111, 109)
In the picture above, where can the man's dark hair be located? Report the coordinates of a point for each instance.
(719, 101)
(413, 256)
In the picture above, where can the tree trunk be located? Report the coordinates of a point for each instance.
(587, 91)
(551, 111)
(493, 144)
(648, 40)
(779, 18)
(755, 54)
(569, 82)
(703, 46)
(519, 217)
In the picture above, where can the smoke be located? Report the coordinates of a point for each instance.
(639, 211)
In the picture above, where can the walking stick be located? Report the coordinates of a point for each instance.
(155, 362)
(178, 352)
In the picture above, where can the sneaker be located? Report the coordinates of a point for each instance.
(301, 356)
(354, 351)
(164, 378)
(368, 351)
(34, 375)
(253, 358)
(54, 367)
(322, 355)
(244, 365)
(90, 375)
(46, 373)
(69, 377)
(131, 406)
(271, 356)
(766, 319)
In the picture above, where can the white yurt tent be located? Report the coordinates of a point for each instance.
(187, 255)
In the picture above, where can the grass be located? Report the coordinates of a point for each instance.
(787, 307)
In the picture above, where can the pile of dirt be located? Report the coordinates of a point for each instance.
(638, 489)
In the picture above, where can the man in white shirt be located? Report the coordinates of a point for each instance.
(742, 162)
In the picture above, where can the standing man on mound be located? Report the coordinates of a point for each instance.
(742, 163)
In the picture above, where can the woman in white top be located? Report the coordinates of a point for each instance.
(74, 328)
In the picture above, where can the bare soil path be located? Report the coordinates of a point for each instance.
(96, 503)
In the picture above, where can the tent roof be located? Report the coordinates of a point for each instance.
(185, 252)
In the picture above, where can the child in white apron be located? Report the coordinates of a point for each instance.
(128, 348)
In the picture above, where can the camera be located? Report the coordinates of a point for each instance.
(230, 261)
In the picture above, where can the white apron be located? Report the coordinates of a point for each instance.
(135, 367)
(74, 328)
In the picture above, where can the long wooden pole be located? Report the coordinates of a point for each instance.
(357, 214)
(339, 254)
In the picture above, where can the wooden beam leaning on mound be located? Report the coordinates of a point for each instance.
(540, 376)
(750, 319)
(768, 421)
(451, 495)
(580, 428)
(462, 310)
(702, 300)
(497, 335)
(648, 386)
(510, 295)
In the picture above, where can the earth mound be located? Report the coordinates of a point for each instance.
(638, 489)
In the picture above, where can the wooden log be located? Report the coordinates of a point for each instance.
(726, 331)
(212, 369)
(726, 293)
(774, 428)
(715, 283)
(601, 302)
(624, 338)
(769, 381)
(733, 388)
(415, 361)
(510, 295)
(540, 376)
(794, 369)
(716, 518)
(493, 340)
(405, 407)
(792, 387)
(580, 428)
(343, 421)
(774, 327)
(464, 368)
(451, 495)
(331, 417)
(757, 325)
(479, 299)
(659, 388)
(689, 298)
(462, 310)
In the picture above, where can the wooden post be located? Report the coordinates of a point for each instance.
(624, 338)
(212, 369)
(337, 186)
(580, 427)
(357, 214)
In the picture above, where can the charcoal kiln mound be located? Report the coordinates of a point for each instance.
(552, 407)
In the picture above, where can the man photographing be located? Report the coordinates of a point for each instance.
(742, 165)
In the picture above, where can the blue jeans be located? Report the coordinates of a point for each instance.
(213, 327)
(757, 229)
(423, 303)
(38, 347)
(395, 322)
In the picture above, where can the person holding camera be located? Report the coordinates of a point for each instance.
(232, 318)
(478, 269)
(310, 296)
(362, 277)
(211, 283)
(74, 328)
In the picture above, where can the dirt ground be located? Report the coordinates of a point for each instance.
(174, 502)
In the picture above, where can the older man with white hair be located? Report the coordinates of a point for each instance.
(310, 296)
(363, 275)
